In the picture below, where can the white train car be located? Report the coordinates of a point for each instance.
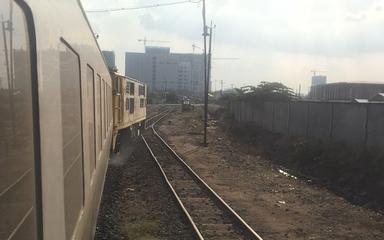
(56, 121)
(129, 106)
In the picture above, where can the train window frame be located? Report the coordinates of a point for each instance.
(132, 88)
(78, 59)
(98, 132)
(29, 30)
(102, 94)
(127, 88)
(141, 90)
(131, 105)
(105, 109)
(142, 102)
(92, 170)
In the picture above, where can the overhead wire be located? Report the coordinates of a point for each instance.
(142, 7)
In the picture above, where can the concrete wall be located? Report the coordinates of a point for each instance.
(299, 119)
(268, 116)
(347, 122)
(319, 120)
(281, 117)
(375, 125)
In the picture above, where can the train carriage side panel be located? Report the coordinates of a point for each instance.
(73, 103)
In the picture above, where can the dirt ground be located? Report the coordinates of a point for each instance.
(277, 205)
(136, 203)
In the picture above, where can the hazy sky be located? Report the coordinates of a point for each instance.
(275, 40)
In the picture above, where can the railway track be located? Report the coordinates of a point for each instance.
(210, 217)
(157, 117)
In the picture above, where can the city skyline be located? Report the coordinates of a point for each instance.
(273, 41)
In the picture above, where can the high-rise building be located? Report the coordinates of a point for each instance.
(164, 71)
(109, 57)
(319, 80)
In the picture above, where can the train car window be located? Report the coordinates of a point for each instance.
(97, 116)
(142, 90)
(102, 109)
(132, 88)
(105, 108)
(72, 137)
(127, 90)
(111, 107)
(131, 105)
(127, 104)
(91, 118)
(17, 172)
(107, 104)
(142, 103)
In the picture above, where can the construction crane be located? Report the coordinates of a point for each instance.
(145, 41)
(194, 46)
(315, 72)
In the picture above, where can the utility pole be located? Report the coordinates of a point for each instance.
(6, 53)
(205, 76)
(210, 56)
(222, 84)
(299, 91)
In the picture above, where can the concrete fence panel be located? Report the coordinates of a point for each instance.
(281, 117)
(257, 115)
(241, 111)
(375, 125)
(268, 115)
(349, 122)
(249, 111)
(320, 120)
(298, 118)
(236, 110)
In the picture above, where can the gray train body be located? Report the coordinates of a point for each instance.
(56, 121)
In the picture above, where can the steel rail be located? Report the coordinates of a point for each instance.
(216, 197)
(248, 231)
(166, 112)
(175, 195)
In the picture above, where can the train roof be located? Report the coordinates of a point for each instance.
(128, 78)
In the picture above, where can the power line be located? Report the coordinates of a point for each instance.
(142, 7)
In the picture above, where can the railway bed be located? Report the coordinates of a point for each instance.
(209, 216)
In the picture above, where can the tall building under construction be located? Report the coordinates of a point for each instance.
(164, 71)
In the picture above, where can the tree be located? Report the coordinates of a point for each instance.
(265, 91)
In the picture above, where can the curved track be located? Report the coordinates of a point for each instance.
(151, 121)
(209, 216)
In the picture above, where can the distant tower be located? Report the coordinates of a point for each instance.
(319, 80)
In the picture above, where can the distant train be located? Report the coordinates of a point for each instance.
(129, 106)
(60, 109)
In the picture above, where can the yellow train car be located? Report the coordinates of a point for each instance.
(129, 106)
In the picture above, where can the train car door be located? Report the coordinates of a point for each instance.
(20, 196)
